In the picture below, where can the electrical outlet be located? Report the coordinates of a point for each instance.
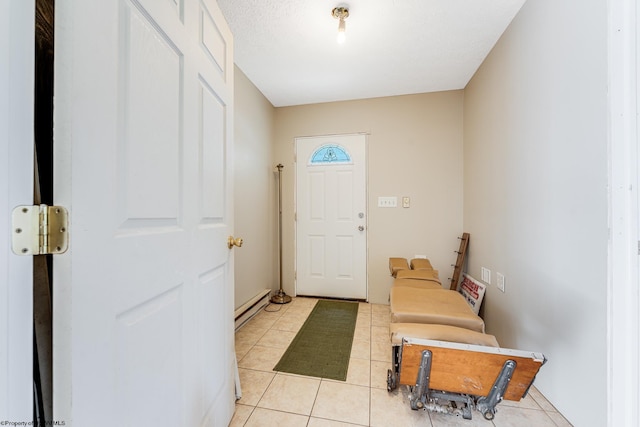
(406, 202)
(486, 275)
(387, 202)
(500, 281)
(420, 257)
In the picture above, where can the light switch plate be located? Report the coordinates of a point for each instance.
(500, 281)
(387, 202)
(486, 275)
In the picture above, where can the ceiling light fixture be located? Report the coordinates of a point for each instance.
(340, 13)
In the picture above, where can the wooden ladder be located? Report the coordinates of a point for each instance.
(464, 243)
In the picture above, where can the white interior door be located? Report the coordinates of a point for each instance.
(16, 188)
(143, 299)
(331, 211)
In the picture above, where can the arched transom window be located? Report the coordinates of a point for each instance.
(330, 154)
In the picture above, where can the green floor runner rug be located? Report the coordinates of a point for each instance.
(322, 347)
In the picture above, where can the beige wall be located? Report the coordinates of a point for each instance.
(414, 149)
(535, 195)
(255, 192)
(533, 165)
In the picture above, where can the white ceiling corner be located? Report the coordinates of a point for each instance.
(288, 48)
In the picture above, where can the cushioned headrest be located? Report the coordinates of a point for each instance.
(397, 264)
(421, 264)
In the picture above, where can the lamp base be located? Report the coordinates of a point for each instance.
(280, 298)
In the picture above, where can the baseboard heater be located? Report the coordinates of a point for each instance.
(249, 309)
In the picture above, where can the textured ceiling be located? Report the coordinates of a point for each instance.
(288, 48)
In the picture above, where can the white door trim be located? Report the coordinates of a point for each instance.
(623, 298)
(17, 23)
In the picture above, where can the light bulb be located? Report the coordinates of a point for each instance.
(341, 28)
(340, 13)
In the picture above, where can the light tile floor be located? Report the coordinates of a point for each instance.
(274, 399)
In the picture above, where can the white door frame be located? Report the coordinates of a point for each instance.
(366, 189)
(623, 319)
(17, 23)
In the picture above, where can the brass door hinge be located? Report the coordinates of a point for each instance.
(39, 230)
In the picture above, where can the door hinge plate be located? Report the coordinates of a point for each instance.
(39, 230)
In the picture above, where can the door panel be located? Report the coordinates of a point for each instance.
(143, 299)
(16, 188)
(330, 208)
(136, 334)
(150, 87)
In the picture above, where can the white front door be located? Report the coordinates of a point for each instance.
(16, 188)
(331, 211)
(143, 299)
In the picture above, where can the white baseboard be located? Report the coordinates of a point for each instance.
(249, 309)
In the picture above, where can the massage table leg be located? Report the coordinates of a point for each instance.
(423, 397)
(487, 405)
(392, 374)
(455, 379)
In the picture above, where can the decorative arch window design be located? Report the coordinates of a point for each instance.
(330, 154)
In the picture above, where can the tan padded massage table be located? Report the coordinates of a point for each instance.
(433, 306)
(417, 296)
(440, 350)
(418, 279)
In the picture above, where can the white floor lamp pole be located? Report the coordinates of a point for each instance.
(280, 297)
